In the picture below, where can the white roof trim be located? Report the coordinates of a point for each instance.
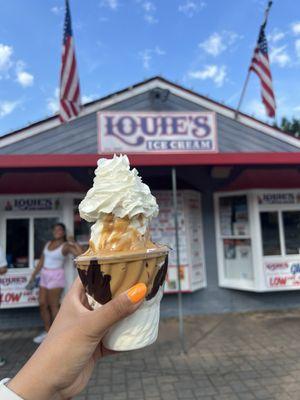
(218, 108)
(202, 101)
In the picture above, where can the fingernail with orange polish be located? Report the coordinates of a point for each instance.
(137, 292)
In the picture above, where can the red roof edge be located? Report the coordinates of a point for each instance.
(90, 160)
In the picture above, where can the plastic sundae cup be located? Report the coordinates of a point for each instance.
(110, 273)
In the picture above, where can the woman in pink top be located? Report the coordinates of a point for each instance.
(51, 268)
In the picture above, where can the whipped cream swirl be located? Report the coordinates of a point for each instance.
(117, 190)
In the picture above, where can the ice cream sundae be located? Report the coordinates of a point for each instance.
(121, 252)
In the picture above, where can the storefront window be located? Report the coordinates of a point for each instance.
(291, 225)
(42, 234)
(266, 258)
(234, 216)
(238, 259)
(270, 233)
(17, 242)
(235, 240)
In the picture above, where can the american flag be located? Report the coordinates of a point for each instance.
(70, 103)
(261, 66)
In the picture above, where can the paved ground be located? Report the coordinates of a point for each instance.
(249, 356)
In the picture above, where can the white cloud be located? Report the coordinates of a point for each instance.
(296, 28)
(276, 35)
(280, 56)
(297, 109)
(157, 50)
(6, 62)
(87, 98)
(111, 4)
(297, 48)
(190, 7)
(214, 72)
(57, 10)
(8, 65)
(150, 19)
(52, 102)
(216, 43)
(148, 6)
(25, 79)
(7, 107)
(256, 107)
(146, 55)
(149, 10)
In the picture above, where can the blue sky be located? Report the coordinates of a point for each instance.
(205, 45)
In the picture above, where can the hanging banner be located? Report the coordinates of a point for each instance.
(157, 132)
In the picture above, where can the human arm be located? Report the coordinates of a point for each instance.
(72, 247)
(74, 337)
(37, 269)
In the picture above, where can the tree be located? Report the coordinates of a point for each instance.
(291, 127)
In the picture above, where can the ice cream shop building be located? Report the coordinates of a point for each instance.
(238, 196)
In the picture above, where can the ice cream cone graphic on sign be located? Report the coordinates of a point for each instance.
(121, 253)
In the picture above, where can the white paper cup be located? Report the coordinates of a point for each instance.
(107, 276)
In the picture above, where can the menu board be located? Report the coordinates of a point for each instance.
(192, 267)
(13, 292)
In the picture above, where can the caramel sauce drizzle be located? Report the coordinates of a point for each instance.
(117, 235)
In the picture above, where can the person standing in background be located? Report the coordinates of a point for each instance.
(3, 270)
(52, 273)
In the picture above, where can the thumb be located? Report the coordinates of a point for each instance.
(120, 307)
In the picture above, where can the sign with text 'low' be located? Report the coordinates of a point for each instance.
(157, 132)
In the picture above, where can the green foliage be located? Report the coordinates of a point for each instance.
(292, 127)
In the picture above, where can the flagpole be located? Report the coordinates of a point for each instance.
(237, 111)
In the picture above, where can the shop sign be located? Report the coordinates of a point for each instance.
(165, 132)
(31, 204)
(279, 198)
(282, 274)
(13, 292)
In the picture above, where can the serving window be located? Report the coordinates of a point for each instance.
(280, 232)
(258, 239)
(26, 223)
(26, 226)
(234, 241)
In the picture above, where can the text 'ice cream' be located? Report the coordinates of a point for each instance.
(121, 206)
(121, 252)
